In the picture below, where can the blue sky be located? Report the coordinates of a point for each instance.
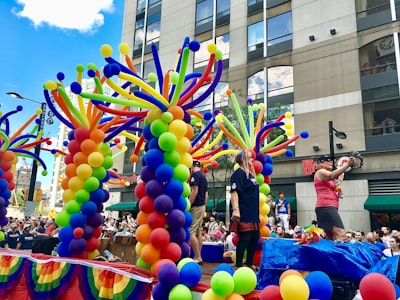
(40, 38)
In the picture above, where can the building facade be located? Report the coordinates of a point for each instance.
(323, 60)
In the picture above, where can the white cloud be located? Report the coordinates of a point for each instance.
(82, 15)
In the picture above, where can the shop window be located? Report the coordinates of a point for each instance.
(382, 118)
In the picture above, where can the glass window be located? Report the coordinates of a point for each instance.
(139, 38)
(369, 7)
(280, 80)
(382, 117)
(279, 28)
(255, 36)
(201, 57)
(256, 87)
(153, 3)
(141, 5)
(205, 105)
(204, 12)
(378, 56)
(252, 2)
(220, 96)
(153, 33)
(148, 68)
(223, 8)
(222, 43)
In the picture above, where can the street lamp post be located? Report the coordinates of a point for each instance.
(338, 134)
(37, 147)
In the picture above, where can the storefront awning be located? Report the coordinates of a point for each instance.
(382, 203)
(216, 205)
(123, 206)
(293, 203)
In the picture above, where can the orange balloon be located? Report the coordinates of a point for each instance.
(142, 218)
(80, 158)
(143, 233)
(287, 273)
(88, 146)
(234, 296)
(177, 112)
(263, 220)
(155, 268)
(70, 170)
(8, 155)
(150, 254)
(64, 183)
(189, 132)
(97, 136)
(264, 231)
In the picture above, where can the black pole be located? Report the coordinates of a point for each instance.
(331, 148)
(37, 152)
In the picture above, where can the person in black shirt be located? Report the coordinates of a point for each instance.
(198, 199)
(25, 240)
(245, 207)
(13, 235)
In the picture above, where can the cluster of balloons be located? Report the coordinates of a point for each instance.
(175, 281)
(7, 158)
(87, 163)
(164, 216)
(229, 284)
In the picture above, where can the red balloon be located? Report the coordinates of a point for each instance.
(257, 257)
(69, 159)
(235, 239)
(267, 179)
(5, 165)
(374, 286)
(97, 232)
(172, 252)
(74, 147)
(157, 220)
(214, 164)
(146, 204)
(271, 292)
(83, 255)
(9, 176)
(205, 170)
(258, 166)
(78, 232)
(81, 134)
(140, 190)
(159, 238)
(92, 244)
(11, 186)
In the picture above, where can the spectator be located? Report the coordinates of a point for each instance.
(50, 226)
(25, 240)
(271, 214)
(280, 232)
(212, 225)
(216, 237)
(371, 238)
(4, 243)
(204, 234)
(388, 125)
(39, 229)
(394, 248)
(350, 237)
(282, 211)
(385, 231)
(13, 235)
(359, 236)
(229, 246)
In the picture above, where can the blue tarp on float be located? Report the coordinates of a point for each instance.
(345, 260)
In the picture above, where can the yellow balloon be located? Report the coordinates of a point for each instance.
(235, 167)
(124, 48)
(210, 295)
(183, 145)
(178, 127)
(263, 209)
(138, 248)
(95, 159)
(154, 114)
(234, 296)
(68, 195)
(93, 254)
(294, 287)
(267, 209)
(288, 114)
(186, 159)
(75, 183)
(84, 171)
(288, 125)
(263, 197)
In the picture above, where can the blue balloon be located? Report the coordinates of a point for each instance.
(89, 208)
(224, 267)
(160, 292)
(168, 275)
(77, 220)
(320, 285)
(189, 219)
(267, 170)
(66, 234)
(3, 184)
(97, 196)
(190, 274)
(164, 173)
(174, 189)
(180, 204)
(154, 158)
(147, 133)
(62, 250)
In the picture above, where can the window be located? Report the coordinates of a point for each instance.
(148, 68)
(216, 99)
(153, 29)
(279, 28)
(204, 12)
(141, 6)
(202, 55)
(382, 117)
(222, 43)
(255, 36)
(223, 8)
(369, 7)
(378, 56)
(256, 87)
(139, 34)
(280, 80)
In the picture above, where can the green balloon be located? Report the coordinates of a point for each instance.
(91, 184)
(142, 264)
(186, 189)
(245, 280)
(82, 196)
(167, 141)
(260, 178)
(158, 127)
(73, 207)
(180, 292)
(181, 172)
(99, 172)
(104, 147)
(108, 162)
(265, 189)
(62, 218)
(172, 158)
(167, 117)
(222, 283)
(2, 236)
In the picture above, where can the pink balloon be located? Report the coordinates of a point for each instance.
(271, 292)
(375, 286)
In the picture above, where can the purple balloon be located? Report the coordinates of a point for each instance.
(3, 221)
(260, 244)
(147, 174)
(168, 275)
(100, 207)
(77, 246)
(175, 219)
(3, 211)
(87, 232)
(185, 250)
(106, 195)
(260, 157)
(160, 292)
(177, 236)
(163, 204)
(95, 221)
(154, 188)
(2, 202)
(71, 135)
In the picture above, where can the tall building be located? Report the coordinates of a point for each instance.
(324, 60)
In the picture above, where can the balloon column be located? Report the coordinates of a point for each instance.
(12, 147)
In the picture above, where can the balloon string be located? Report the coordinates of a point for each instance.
(95, 121)
(277, 153)
(5, 139)
(18, 132)
(130, 64)
(130, 136)
(212, 144)
(120, 112)
(33, 144)
(31, 155)
(113, 121)
(259, 120)
(261, 133)
(195, 113)
(280, 118)
(51, 106)
(139, 145)
(157, 64)
(92, 109)
(214, 157)
(80, 100)
(166, 85)
(182, 72)
(241, 120)
(230, 136)
(209, 154)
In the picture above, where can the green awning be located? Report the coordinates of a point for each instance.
(123, 206)
(218, 205)
(293, 203)
(382, 203)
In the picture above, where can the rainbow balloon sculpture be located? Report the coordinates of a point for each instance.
(13, 146)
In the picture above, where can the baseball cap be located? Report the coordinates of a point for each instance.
(324, 158)
(27, 225)
(196, 163)
(13, 225)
